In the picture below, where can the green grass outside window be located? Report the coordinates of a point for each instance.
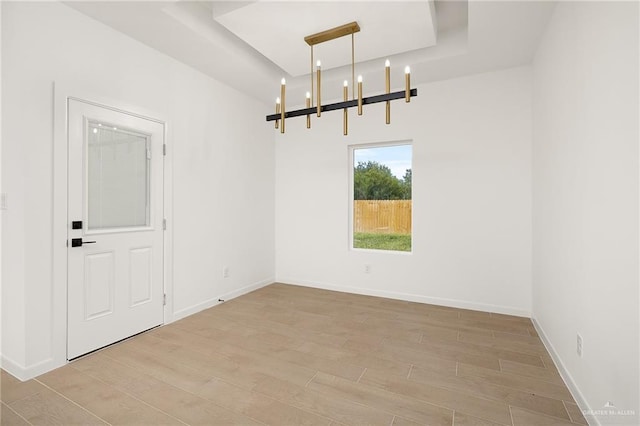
(397, 242)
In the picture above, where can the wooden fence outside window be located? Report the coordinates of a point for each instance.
(382, 216)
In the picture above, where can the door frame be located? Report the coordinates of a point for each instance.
(62, 93)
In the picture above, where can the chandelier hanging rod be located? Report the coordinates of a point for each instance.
(343, 30)
(346, 104)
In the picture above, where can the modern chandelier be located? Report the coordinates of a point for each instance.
(341, 31)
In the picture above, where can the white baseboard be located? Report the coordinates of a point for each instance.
(566, 376)
(453, 303)
(182, 313)
(23, 373)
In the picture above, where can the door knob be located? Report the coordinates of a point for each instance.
(77, 242)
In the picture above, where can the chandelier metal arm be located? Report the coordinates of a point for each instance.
(346, 104)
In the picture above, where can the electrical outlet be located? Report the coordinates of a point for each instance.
(225, 272)
(367, 268)
(579, 345)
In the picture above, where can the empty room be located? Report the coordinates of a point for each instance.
(257, 160)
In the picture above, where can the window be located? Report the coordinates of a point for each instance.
(117, 177)
(381, 194)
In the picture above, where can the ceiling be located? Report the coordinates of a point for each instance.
(252, 45)
(277, 30)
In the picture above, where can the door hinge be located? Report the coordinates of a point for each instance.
(164, 299)
(164, 224)
(148, 154)
(164, 149)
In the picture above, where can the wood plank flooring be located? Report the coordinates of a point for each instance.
(287, 355)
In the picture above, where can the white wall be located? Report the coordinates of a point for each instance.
(585, 200)
(221, 152)
(471, 195)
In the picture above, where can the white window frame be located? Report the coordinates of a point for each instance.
(354, 147)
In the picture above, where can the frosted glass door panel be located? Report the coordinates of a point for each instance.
(117, 178)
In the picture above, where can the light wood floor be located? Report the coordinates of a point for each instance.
(287, 355)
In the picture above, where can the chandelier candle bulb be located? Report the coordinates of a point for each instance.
(345, 111)
(407, 84)
(308, 106)
(387, 76)
(359, 95)
(277, 111)
(387, 85)
(282, 102)
(318, 76)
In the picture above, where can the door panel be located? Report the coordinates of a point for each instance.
(98, 285)
(115, 286)
(141, 273)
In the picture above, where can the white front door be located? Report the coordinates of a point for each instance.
(115, 241)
